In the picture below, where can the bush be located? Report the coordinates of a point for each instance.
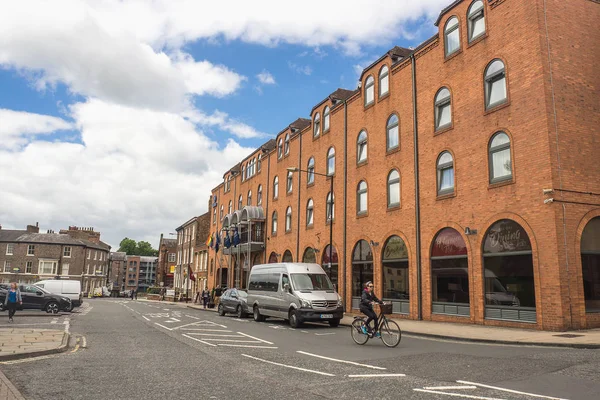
(153, 290)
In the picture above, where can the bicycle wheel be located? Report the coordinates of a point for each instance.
(356, 331)
(390, 333)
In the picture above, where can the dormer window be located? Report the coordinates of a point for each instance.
(369, 90)
(286, 146)
(451, 36)
(280, 148)
(476, 22)
(326, 119)
(384, 81)
(317, 125)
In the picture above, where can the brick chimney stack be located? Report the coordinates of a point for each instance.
(33, 228)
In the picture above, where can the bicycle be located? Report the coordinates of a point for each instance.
(389, 330)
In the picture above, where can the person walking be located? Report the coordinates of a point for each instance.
(132, 293)
(13, 297)
(205, 297)
(199, 294)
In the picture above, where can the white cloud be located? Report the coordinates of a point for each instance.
(266, 78)
(18, 127)
(222, 120)
(300, 69)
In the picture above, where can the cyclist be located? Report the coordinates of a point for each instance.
(366, 306)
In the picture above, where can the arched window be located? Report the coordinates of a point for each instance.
(289, 182)
(221, 214)
(309, 213)
(249, 200)
(287, 256)
(362, 269)
(243, 174)
(508, 271)
(288, 219)
(476, 22)
(393, 135)
(361, 147)
(449, 274)
(394, 266)
(274, 223)
(499, 158)
(259, 196)
(445, 174)
(309, 256)
(331, 161)
(280, 148)
(273, 258)
(329, 261)
(259, 163)
(361, 198)
(590, 264)
(275, 187)
(326, 119)
(443, 109)
(317, 125)
(369, 90)
(240, 202)
(310, 175)
(230, 209)
(286, 146)
(384, 81)
(393, 189)
(451, 36)
(495, 84)
(214, 215)
(330, 207)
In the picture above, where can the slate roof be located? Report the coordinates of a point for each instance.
(338, 95)
(48, 238)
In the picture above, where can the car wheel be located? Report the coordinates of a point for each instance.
(294, 320)
(239, 312)
(334, 323)
(257, 316)
(2, 306)
(70, 307)
(52, 307)
(220, 310)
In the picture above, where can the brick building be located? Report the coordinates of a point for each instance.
(27, 256)
(117, 262)
(466, 182)
(167, 261)
(192, 254)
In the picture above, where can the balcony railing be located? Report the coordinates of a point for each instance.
(257, 235)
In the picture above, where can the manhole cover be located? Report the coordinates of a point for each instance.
(568, 335)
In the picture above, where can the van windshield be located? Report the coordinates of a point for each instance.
(311, 282)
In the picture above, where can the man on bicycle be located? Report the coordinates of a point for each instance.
(367, 300)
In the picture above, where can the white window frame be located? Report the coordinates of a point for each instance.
(286, 144)
(360, 192)
(31, 249)
(41, 265)
(440, 104)
(369, 90)
(361, 147)
(289, 182)
(28, 267)
(384, 74)
(490, 79)
(473, 16)
(450, 30)
(10, 249)
(274, 223)
(331, 155)
(389, 127)
(7, 266)
(393, 181)
(310, 215)
(65, 266)
(317, 125)
(326, 119)
(310, 175)
(288, 219)
(275, 187)
(67, 252)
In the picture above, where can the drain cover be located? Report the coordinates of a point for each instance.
(568, 335)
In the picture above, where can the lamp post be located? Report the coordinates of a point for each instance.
(330, 219)
(187, 281)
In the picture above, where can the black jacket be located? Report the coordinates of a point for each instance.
(367, 298)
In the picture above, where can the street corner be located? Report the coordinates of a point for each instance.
(19, 343)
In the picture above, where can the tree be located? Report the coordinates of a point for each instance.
(128, 246)
(145, 249)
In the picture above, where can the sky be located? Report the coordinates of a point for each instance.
(123, 115)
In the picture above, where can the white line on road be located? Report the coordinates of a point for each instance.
(252, 337)
(340, 361)
(206, 330)
(162, 326)
(323, 334)
(232, 340)
(242, 345)
(84, 345)
(213, 335)
(198, 340)
(288, 366)
(510, 390)
(468, 396)
(28, 359)
(376, 376)
(191, 316)
(449, 387)
(147, 319)
(173, 320)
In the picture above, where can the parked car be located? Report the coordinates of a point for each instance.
(234, 301)
(37, 298)
(65, 288)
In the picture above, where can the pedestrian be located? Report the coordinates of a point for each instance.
(13, 297)
(132, 293)
(198, 296)
(205, 297)
(135, 292)
(162, 294)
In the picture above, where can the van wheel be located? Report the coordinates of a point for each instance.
(294, 320)
(334, 323)
(257, 316)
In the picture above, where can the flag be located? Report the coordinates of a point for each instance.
(209, 240)
(226, 241)
(212, 240)
(191, 274)
(236, 238)
(217, 243)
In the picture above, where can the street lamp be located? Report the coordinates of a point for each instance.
(184, 236)
(330, 177)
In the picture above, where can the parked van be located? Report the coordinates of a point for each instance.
(64, 287)
(296, 292)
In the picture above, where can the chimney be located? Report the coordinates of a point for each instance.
(33, 228)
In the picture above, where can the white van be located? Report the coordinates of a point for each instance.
(64, 287)
(296, 292)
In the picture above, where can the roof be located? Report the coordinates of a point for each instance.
(445, 10)
(338, 95)
(189, 221)
(10, 235)
(396, 53)
(48, 238)
(169, 242)
(118, 256)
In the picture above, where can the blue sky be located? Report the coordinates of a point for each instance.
(123, 115)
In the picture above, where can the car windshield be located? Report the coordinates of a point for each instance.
(311, 282)
(242, 294)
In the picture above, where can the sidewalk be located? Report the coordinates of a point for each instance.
(18, 343)
(7, 390)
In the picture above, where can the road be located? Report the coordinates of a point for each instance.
(143, 350)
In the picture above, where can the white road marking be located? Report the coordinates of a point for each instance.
(194, 324)
(84, 345)
(232, 340)
(304, 331)
(147, 319)
(375, 376)
(457, 394)
(340, 361)
(162, 326)
(28, 359)
(198, 340)
(173, 320)
(253, 347)
(323, 334)
(213, 335)
(288, 366)
(54, 321)
(449, 387)
(252, 337)
(510, 390)
(191, 316)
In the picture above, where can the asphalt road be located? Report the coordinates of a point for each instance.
(143, 350)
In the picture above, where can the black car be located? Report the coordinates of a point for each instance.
(37, 298)
(234, 301)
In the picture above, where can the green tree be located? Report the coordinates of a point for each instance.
(128, 246)
(145, 249)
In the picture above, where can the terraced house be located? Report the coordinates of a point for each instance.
(461, 176)
(27, 256)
